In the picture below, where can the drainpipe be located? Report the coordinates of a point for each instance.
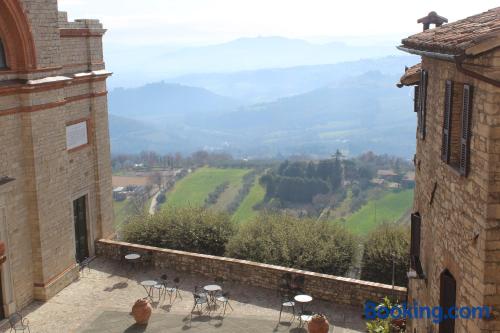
(457, 59)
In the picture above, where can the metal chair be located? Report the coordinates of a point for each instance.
(174, 290)
(200, 291)
(287, 302)
(224, 299)
(18, 323)
(199, 301)
(161, 286)
(305, 317)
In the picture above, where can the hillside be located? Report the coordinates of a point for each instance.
(149, 64)
(266, 85)
(194, 188)
(166, 100)
(351, 112)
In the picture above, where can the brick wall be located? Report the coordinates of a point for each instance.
(36, 213)
(322, 286)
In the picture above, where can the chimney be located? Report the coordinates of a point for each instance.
(432, 18)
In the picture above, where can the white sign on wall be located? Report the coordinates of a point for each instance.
(76, 135)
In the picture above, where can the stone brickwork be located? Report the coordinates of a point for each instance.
(55, 77)
(336, 289)
(461, 225)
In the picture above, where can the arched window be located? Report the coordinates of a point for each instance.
(3, 61)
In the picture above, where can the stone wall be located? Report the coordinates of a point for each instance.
(322, 286)
(460, 225)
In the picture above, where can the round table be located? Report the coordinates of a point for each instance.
(132, 256)
(132, 259)
(211, 290)
(148, 285)
(303, 299)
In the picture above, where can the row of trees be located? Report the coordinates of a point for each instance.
(277, 239)
(151, 159)
(293, 189)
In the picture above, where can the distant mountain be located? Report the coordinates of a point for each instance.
(266, 52)
(364, 112)
(238, 55)
(270, 84)
(357, 114)
(167, 100)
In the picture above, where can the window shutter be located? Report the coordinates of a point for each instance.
(416, 99)
(465, 133)
(423, 99)
(415, 236)
(448, 98)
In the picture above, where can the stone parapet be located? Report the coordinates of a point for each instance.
(322, 286)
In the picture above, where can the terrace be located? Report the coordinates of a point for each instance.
(101, 300)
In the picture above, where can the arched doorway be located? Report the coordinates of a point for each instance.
(16, 37)
(447, 300)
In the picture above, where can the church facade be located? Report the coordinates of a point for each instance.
(55, 174)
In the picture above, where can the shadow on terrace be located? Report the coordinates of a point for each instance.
(101, 300)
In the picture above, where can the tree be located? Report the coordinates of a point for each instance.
(324, 169)
(386, 243)
(311, 170)
(155, 178)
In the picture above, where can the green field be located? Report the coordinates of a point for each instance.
(245, 211)
(195, 187)
(388, 208)
(122, 210)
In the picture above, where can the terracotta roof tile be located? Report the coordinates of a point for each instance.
(456, 37)
(411, 75)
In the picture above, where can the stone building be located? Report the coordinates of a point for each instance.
(55, 176)
(456, 225)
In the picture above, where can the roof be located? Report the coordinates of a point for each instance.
(386, 173)
(377, 181)
(411, 76)
(410, 175)
(472, 35)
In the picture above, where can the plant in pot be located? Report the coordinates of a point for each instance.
(387, 325)
(318, 324)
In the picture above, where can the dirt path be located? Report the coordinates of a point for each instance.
(152, 208)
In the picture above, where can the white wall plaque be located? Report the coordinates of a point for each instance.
(76, 135)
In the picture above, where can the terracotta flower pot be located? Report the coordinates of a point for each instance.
(318, 324)
(142, 311)
(2, 248)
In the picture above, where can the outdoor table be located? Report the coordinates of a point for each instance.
(303, 316)
(211, 290)
(132, 258)
(148, 285)
(302, 299)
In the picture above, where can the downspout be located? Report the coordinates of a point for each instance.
(458, 62)
(457, 59)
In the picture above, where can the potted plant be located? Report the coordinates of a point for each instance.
(318, 324)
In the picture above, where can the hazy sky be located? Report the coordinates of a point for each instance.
(187, 22)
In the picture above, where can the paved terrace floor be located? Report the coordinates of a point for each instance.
(101, 300)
